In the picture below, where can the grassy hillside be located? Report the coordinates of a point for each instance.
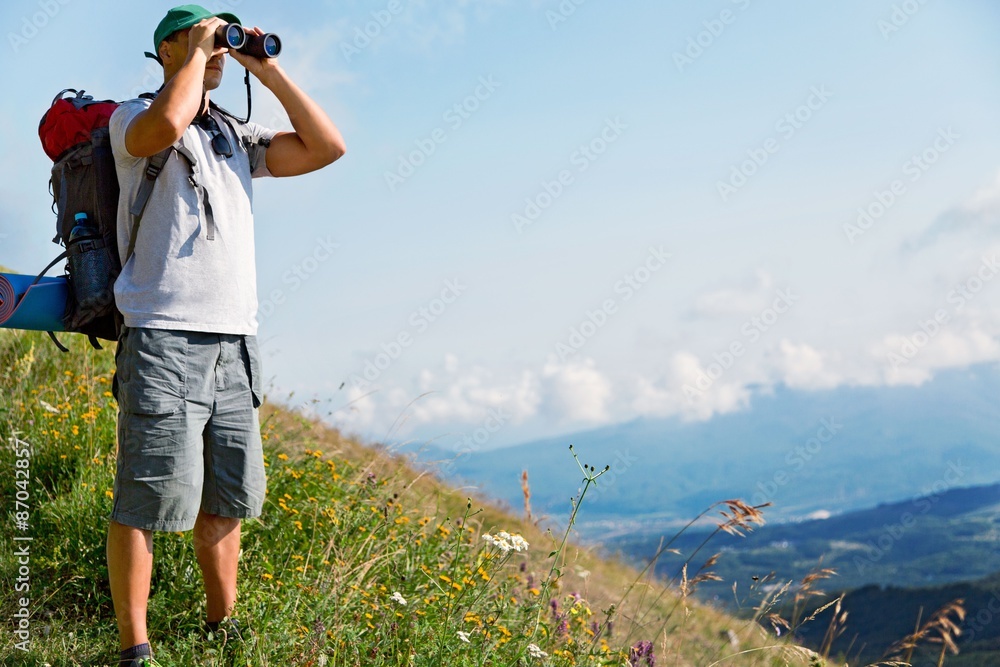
(357, 560)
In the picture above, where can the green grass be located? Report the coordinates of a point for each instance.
(348, 533)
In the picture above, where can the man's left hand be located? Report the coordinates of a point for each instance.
(259, 67)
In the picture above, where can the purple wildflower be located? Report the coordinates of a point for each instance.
(643, 649)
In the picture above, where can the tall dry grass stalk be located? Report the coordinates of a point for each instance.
(526, 491)
(943, 627)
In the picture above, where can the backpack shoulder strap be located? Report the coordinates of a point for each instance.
(153, 168)
(255, 148)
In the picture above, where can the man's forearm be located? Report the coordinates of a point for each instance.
(181, 98)
(171, 112)
(317, 132)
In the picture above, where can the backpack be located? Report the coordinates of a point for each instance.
(84, 188)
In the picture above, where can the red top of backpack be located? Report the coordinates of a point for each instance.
(70, 121)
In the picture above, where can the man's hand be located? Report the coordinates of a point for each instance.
(202, 37)
(259, 67)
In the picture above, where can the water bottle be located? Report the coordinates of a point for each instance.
(89, 265)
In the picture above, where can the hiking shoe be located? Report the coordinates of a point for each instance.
(228, 629)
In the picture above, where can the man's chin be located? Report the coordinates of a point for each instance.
(213, 80)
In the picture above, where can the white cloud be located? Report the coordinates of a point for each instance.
(986, 199)
(447, 394)
(359, 413)
(454, 394)
(571, 392)
(911, 358)
(748, 297)
(688, 391)
(578, 394)
(979, 216)
(967, 348)
(576, 391)
(804, 367)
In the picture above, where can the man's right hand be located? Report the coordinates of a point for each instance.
(202, 37)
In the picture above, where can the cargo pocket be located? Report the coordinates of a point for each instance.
(153, 371)
(252, 358)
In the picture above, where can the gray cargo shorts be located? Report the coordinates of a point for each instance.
(188, 432)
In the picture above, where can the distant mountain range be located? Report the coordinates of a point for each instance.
(944, 537)
(809, 453)
(899, 562)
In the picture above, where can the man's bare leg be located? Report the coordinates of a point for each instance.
(130, 567)
(217, 546)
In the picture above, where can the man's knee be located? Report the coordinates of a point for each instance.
(123, 534)
(210, 529)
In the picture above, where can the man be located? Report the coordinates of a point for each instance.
(188, 376)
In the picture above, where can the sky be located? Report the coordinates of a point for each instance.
(559, 214)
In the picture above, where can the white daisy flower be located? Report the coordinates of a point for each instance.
(506, 542)
(536, 652)
(499, 542)
(398, 597)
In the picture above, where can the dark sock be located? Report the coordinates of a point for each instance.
(138, 651)
(213, 626)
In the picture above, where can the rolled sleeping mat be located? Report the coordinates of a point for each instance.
(39, 307)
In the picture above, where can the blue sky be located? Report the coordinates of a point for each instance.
(554, 215)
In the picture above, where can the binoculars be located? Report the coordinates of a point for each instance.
(233, 36)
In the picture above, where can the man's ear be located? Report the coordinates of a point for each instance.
(164, 53)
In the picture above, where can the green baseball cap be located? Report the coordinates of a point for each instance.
(183, 17)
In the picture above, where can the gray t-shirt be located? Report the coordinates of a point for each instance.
(177, 278)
